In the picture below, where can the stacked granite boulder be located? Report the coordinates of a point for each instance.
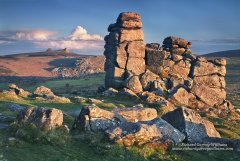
(124, 51)
(173, 58)
(163, 75)
(190, 81)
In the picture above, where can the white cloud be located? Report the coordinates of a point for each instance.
(79, 33)
(79, 39)
(32, 35)
(71, 44)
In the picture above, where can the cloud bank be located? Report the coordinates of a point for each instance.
(31, 35)
(79, 39)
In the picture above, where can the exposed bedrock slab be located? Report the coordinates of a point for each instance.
(202, 68)
(96, 119)
(210, 96)
(143, 132)
(191, 124)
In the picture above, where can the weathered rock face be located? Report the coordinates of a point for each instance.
(19, 91)
(125, 52)
(137, 114)
(142, 132)
(147, 79)
(83, 66)
(44, 119)
(43, 93)
(128, 126)
(181, 97)
(42, 90)
(192, 81)
(134, 84)
(95, 119)
(154, 99)
(170, 71)
(191, 124)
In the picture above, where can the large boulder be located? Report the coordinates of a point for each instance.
(210, 96)
(143, 132)
(126, 16)
(137, 114)
(153, 46)
(134, 84)
(203, 68)
(181, 68)
(129, 93)
(172, 40)
(129, 24)
(113, 50)
(181, 97)
(43, 91)
(147, 79)
(43, 118)
(19, 91)
(44, 94)
(129, 35)
(136, 49)
(220, 61)
(175, 82)
(136, 65)
(94, 118)
(191, 124)
(154, 99)
(212, 81)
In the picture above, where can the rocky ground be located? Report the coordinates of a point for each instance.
(89, 146)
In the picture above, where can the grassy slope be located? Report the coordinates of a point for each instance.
(233, 81)
(93, 149)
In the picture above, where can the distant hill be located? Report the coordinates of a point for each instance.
(48, 52)
(50, 63)
(228, 54)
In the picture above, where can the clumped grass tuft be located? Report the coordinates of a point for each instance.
(30, 133)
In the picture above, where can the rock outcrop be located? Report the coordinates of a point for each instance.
(125, 52)
(140, 133)
(94, 118)
(190, 81)
(191, 124)
(43, 94)
(43, 91)
(85, 65)
(128, 126)
(43, 118)
(19, 91)
(170, 71)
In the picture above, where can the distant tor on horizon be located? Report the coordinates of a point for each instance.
(227, 54)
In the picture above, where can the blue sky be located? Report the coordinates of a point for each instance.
(35, 25)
